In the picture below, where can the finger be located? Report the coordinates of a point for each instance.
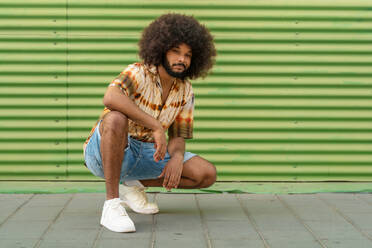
(163, 152)
(169, 182)
(157, 146)
(164, 149)
(155, 158)
(161, 156)
(175, 180)
(156, 155)
(165, 181)
(162, 174)
(158, 158)
(160, 152)
(178, 181)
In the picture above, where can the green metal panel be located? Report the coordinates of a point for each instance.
(33, 90)
(290, 98)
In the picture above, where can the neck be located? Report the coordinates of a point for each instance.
(165, 78)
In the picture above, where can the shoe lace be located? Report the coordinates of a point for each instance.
(142, 199)
(119, 207)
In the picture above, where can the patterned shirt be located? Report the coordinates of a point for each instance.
(141, 83)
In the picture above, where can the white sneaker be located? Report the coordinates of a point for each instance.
(115, 218)
(135, 198)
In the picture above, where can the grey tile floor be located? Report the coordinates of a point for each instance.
(191, 220)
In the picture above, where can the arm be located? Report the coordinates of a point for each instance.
(115, 99)
(176, 147)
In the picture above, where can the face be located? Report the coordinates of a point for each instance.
(178, 60)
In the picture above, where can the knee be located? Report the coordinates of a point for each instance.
(114, 122)
(209, 177)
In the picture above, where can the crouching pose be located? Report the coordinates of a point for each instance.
(128, 142)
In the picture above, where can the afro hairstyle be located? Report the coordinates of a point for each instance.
(171, 30)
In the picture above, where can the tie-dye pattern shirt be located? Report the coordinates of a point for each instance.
(141, 83)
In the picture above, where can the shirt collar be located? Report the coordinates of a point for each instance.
(152, 68)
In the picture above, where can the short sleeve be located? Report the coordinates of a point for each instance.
(125, 81)
(183, 124)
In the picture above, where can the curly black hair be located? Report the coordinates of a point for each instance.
(170, 30)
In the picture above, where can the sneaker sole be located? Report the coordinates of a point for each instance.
(119, 230)
(153, 211)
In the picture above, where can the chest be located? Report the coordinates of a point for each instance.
(165, 94)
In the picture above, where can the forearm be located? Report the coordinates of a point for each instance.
(114, 99)
(176, 147)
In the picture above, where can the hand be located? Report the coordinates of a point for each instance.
(172, 173)
(160, 144)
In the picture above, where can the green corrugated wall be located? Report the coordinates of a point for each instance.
(290, 98)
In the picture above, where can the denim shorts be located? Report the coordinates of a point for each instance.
(138, 162)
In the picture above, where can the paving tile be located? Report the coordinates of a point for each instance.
(37, 213)
(362, 220)
(179, 241)
(19, 242)
(9, 203)
(50, 200)
(347, 203)
(274, 220)
(366, 197)
(310, 208)
(347, 243)
(286, 234)
(333, 229)
(17, 229)
(223, 212)
(368, 231)
(237, 243)
(41, 208)
(290, 243)
(129, 242)
(220, 207)
(236, 229)
(83, 243)
(179, 222)
(79, 219)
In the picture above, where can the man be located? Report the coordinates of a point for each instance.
(128, 142)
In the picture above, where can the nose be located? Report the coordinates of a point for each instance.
(181, 59)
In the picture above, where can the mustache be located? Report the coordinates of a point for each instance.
(184, 66)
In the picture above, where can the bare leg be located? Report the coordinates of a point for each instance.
(197, 173)
(114, 133)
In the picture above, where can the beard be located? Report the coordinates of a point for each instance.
(168, 69)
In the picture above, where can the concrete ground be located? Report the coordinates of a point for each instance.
(191, 220)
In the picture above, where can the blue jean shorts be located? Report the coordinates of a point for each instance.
(138, 162)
